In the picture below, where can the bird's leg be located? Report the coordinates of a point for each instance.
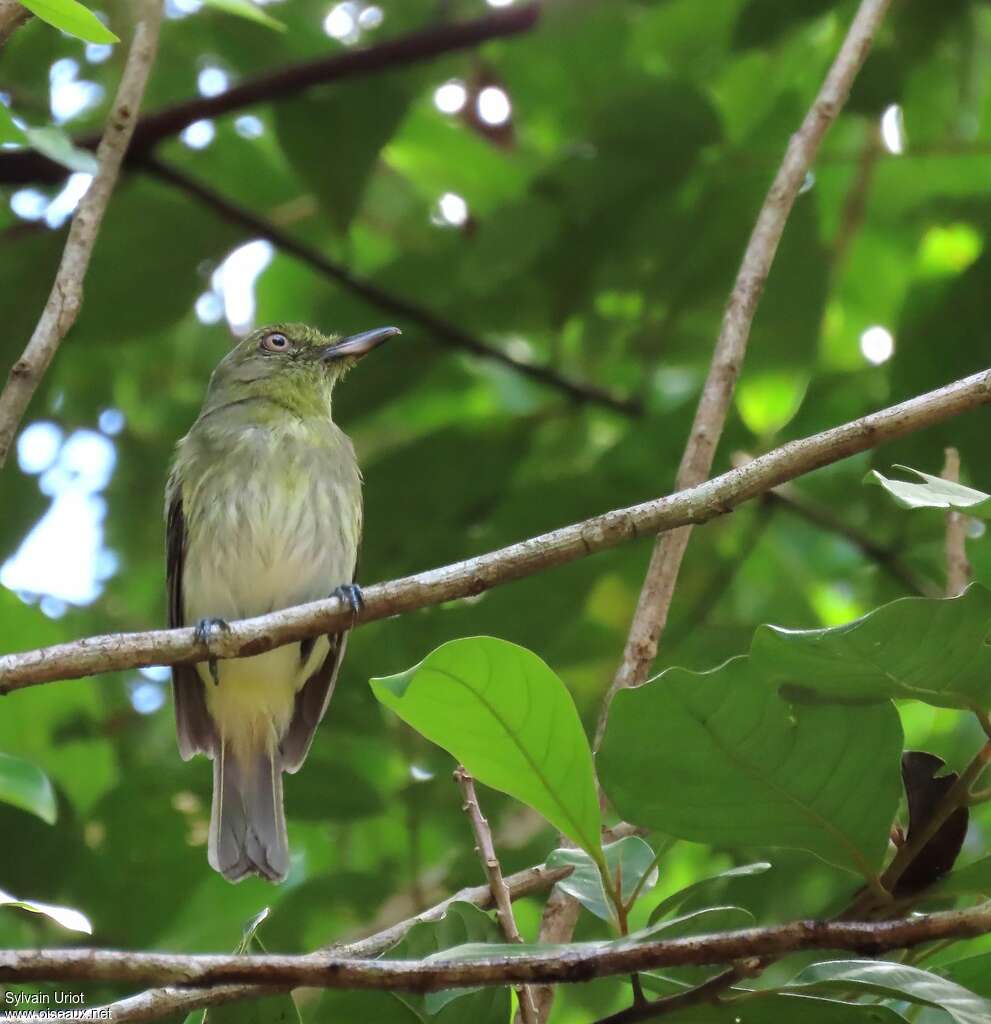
(351, 595)
(205, 631)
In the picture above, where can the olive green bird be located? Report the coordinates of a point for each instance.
(263, 511)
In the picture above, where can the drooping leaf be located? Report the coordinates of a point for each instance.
(719, 758)
(894, 981)
(462, 923)
(675, 900)
(629, 858)
(972, 878)
(72, 17)
(929, 650)
(57, 146)
(924, 790)
(934, 493)
(26, 786)
(64, 916)
(501, 711)
(246, 9)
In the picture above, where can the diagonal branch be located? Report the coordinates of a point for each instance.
(571, 964)
(24, 166)
(66, 297)
(727, 358)
(439, 329)
(695, 505)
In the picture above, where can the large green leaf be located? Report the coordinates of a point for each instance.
(246, 9)
(510, 721)
(931, 650)
(72, 17)
(462, 923)
(26, 786)
(719, 758)
(934, 493)
(972, 878)
(630, 859)
(894, 981)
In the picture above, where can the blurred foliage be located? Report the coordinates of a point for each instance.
(605, 225)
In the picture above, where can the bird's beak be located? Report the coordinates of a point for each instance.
(359, 345)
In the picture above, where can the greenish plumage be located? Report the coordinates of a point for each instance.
(263, 510)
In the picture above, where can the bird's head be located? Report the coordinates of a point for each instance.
(291, 364)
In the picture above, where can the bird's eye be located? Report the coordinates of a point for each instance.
(275, 342)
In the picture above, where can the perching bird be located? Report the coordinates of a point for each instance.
(263, 511)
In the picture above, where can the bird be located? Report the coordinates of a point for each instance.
(263, 511)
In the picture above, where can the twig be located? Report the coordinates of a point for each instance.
(578, 963)
(557, 925)
(662, 574)
(501, 896)
(823, 517)
(12, 16)
(438, 329)
(957, 566)
(64, 302)
(707, 992)
(24, 166)
(855, 203)
(696, 505)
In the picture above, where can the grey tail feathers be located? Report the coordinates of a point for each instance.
(247, 822)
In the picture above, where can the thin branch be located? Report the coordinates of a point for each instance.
(501, 896)
(161, 1002)
(708, 991)
(727, 359)
(66, 297)
(574, 964)
(24, 166)
(436, 327)
(12, 16)
(695, 505)
(957, 566)
(557, 925)
(855, 203)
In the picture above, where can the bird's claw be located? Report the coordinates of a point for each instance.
(206, 629)
(351, 595)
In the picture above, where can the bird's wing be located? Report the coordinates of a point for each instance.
(194, 727)
(311, 703)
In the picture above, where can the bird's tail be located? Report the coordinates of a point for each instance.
(247, 822)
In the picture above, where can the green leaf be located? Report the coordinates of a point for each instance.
(973, 972)
(934, 493)
(935, 651)
(9, 131)
(246, 9)
(707, 921)
(671, 903)
(510, 721)
(26, 786)
(629, 858)
(894, 981)
(56, 145)
(64, 916)
(719, 758)
(278, 1009)
(333, 140)
(462, 923)
(72, 17)
(972, 878)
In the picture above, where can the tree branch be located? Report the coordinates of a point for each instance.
(12, 16)
(64, 302)
(695, 505)
(727, 359)
(501, 896)
(24, 166)
(439, 329)
(957, 566)
(578, 963)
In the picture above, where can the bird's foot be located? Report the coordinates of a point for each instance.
(206, 630)
(351, 595)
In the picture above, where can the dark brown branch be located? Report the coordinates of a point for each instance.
(707, 992)
(578, 963)
(695, 505)
(436, 327)
(24, 166)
